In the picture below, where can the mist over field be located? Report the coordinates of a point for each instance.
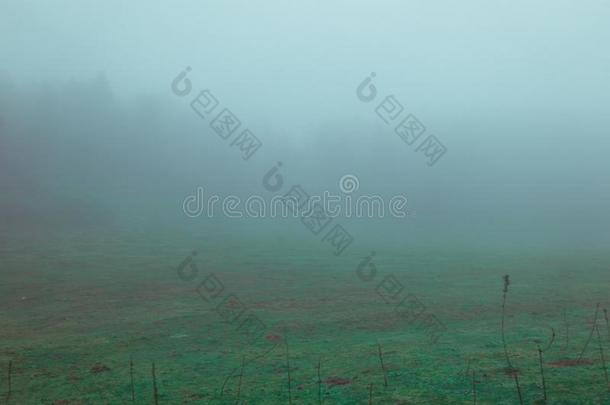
(91, 132)
(108, 128)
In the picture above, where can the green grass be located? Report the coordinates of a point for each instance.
(71, 302)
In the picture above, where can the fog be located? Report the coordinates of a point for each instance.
(94, 137)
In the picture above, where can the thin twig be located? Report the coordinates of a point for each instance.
(371, 394)
(518, 387)
(590, 334)
(10, 374)
(565, 319)
(511, 369)
(542, 372)
(474, 387)
(288, 369)
(601, 353)
(505, 291)
(385, 375)
(551, 341)
(224, 384)
(319, 382)
(154, 378)
(540, 352)
(133, 391)
(241, 375)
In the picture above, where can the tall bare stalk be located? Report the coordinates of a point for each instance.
(10, 376)
(601, 354)
(516, 377)
(241, 376)
(474, 387)
(155, 391)
(511, 369)
(591, 333)
(133, 391)
(504, 293)
(565, 320)
(541, 361)
(288, 369)
(542, 373)
(319, 382)
(385, 374)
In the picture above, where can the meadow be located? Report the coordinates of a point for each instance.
(85, 315)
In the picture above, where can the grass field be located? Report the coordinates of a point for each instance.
(75, 308)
